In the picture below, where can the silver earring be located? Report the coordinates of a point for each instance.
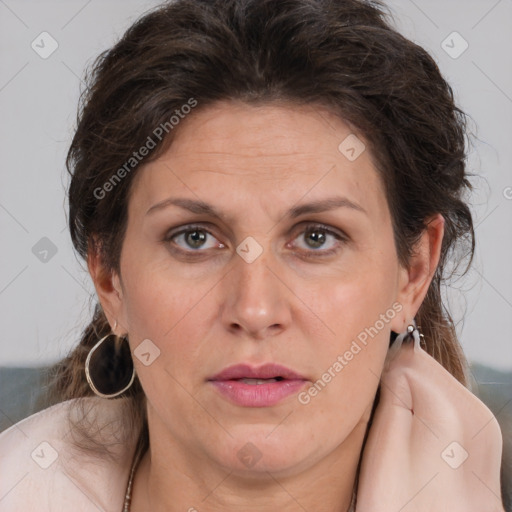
(109, 366)
(411, 333)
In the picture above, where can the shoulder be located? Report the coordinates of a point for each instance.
(43, 468)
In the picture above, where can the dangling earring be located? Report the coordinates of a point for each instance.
(109, 366)
(411, 333)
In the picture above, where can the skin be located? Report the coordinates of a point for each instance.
(204, 314)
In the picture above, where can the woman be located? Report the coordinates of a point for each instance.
(267, 195)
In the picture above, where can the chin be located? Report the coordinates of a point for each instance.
(259, 450)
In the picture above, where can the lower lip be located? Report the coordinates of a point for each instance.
(258, 395)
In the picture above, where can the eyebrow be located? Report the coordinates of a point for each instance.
(202, 208)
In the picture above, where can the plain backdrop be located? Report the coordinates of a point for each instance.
(45, 290)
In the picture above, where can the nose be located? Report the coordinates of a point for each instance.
(257, 300)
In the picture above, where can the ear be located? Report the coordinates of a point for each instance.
(414, 281)
(108, 288)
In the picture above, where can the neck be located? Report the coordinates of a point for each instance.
(188, 481)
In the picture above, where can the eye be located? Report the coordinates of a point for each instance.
(192, 238)
(320, 239)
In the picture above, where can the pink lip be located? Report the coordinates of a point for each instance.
(257, 395)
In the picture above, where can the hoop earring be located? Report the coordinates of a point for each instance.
(109, 366)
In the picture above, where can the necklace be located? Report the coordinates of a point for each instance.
(128, 494)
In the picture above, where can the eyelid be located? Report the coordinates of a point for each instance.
(311, 224)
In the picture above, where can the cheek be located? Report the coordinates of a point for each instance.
(171, 311)
(356, 314)
(355, 301)
(155, 297)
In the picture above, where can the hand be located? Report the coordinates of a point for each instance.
(432, 446)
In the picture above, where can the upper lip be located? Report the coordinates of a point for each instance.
(265, 371)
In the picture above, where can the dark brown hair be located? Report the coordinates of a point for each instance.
(341, 54)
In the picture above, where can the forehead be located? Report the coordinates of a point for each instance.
(275, 131)
(233, 153)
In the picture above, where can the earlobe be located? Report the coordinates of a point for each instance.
(415, 280)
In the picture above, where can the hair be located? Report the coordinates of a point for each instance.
(343, 55)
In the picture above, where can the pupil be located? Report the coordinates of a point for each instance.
(317, 237)
(197, 237)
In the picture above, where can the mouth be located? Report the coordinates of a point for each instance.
(258, 382)
(265, 372)
(262, 386)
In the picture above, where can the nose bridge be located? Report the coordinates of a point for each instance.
(256, 299)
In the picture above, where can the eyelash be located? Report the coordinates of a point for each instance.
(314, 253)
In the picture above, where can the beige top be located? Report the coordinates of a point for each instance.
(41, 469)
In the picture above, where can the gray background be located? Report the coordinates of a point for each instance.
(45, 297)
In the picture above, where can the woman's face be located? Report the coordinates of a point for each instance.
(258, 283)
